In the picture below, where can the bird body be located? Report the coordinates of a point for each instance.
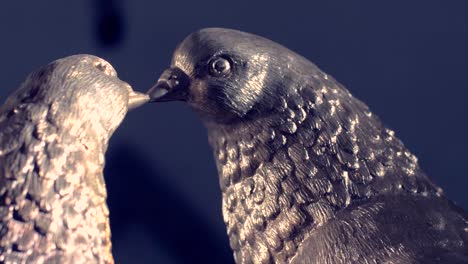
(308, 173)
(54, 132)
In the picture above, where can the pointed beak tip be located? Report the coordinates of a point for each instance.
(156, 93)
(136, 99)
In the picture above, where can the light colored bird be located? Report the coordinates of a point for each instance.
(54, 131)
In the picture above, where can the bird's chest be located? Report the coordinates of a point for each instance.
(260, 207)
(264, 226)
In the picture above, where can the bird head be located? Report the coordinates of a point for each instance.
(226, 74)
(81, 91)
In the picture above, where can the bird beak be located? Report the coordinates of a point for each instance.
(172, 85)
(136, 99)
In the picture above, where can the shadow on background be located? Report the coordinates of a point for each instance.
(109, 23)
(140, 197)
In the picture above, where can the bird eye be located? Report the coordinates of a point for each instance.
(220, 66)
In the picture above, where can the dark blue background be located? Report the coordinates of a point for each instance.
(408, 60)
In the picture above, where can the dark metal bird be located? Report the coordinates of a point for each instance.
(308, 173)
(54, 131)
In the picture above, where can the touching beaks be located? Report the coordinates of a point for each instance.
(172, 85)
(136, 99)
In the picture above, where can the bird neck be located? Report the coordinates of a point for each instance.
(259, 200)
(287, 174)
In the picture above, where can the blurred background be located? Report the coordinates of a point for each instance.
(408, 60)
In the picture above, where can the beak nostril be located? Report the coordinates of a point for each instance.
(172, 85)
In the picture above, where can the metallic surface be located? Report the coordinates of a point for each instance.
(54, 131)
(308, 173)
(171, 86)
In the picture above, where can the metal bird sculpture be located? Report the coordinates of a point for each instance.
(54, 131)
(308, 173)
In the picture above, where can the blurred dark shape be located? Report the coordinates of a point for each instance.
(137, 196)
(109, 22)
